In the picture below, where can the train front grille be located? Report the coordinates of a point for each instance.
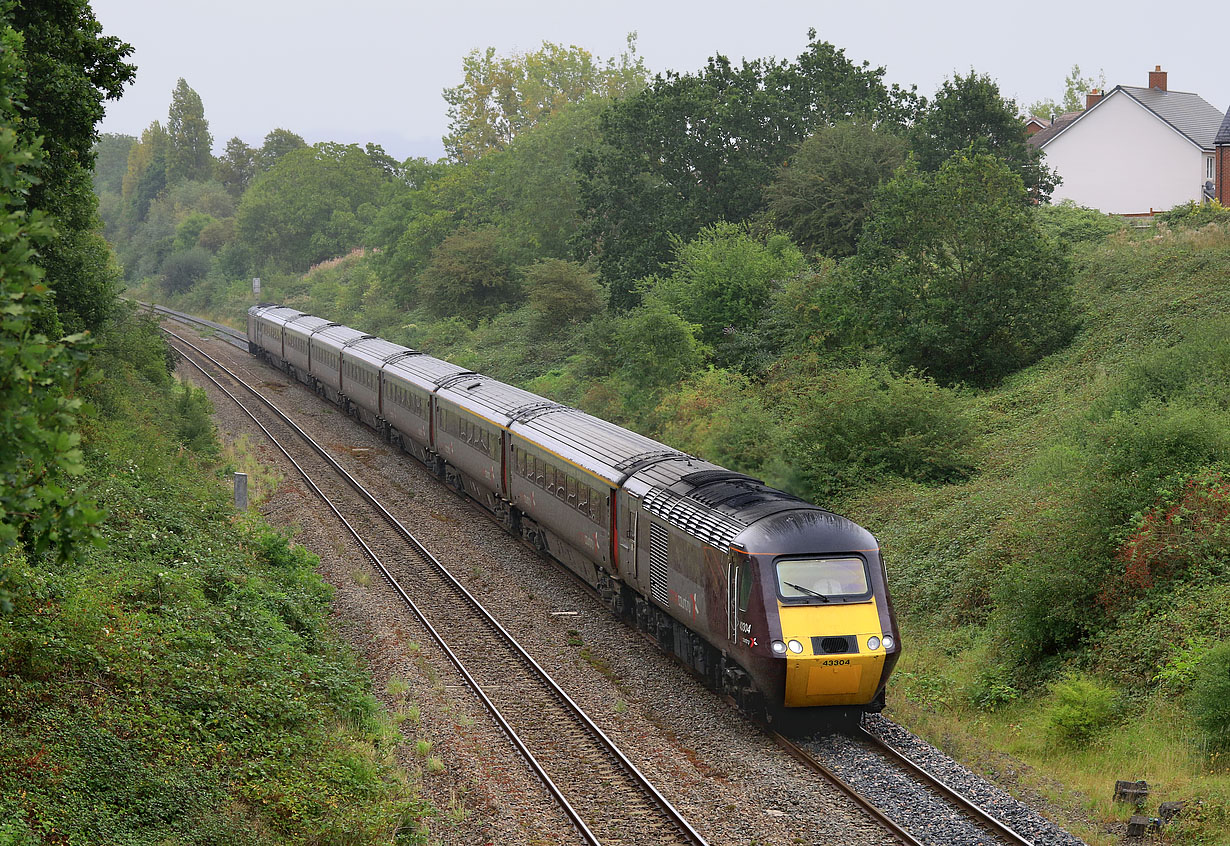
(834, 645)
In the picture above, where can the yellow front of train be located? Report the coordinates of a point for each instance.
(838, 636)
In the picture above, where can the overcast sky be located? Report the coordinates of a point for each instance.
(373, 70)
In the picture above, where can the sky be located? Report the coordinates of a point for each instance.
(355, 71)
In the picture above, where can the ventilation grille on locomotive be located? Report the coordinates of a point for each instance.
(834, 645)
(716, 529)
(659, 562)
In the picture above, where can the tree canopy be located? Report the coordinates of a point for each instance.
(954, 277)
(822, 195)
(1075, 87)
(969, 111)
(190, 155)
(502, 96)
(693, 149)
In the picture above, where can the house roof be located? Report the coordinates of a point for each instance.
(1056, 126)
(1223, 134)
(1188, 114)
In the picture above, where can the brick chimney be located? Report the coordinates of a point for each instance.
(1157, 78)
(1092, 97)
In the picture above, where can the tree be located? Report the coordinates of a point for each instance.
(722, 279)
(503, 96)
(468, 276)
(71, 69)
(147, 171)
(561, 293)
(236, 167)
(190, 155)
(693, 149)
(39, 449)
(1075, 87)
(312, 205)
(277, 143)
(968, 111)
(954, 277)
(111, 162)
(823, 194)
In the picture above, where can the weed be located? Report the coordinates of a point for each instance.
(433, 765)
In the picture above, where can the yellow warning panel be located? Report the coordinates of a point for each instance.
(823, 680)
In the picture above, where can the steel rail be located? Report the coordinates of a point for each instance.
(949, 793)
(663, 804)
(231, 336)
(809, 760)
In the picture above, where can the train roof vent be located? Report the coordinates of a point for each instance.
(538, 409)
(640, 461)
(456, 378)
(705, 477)
(716, 529)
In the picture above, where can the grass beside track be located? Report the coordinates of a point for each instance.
(181, 684)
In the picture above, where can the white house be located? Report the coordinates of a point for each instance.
(1134, 150)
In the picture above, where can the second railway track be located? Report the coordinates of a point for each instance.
(608, 799)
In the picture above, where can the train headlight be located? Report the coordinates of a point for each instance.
(873, 643)
(795, 647)
(889, 643)
(779, 648)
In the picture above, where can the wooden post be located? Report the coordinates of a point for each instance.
(241, 491)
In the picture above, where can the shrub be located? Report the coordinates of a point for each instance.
(1193, 215)
(184, 269)
(1080, 707)
(852, 427)
(1069, 223)
(993, 688)
(1210, 696)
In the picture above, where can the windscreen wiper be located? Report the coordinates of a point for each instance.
(807, 591)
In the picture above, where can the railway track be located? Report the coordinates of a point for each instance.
(909, 818)
(920, 808)
(608, 800)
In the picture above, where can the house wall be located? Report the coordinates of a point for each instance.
(1121, 159)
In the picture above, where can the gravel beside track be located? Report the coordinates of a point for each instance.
(727, 778)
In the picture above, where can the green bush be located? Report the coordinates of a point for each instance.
(1193, 215)
(1080, 707)
(1069, 223)
(993, 689)
(1210, 697)
(850, 428)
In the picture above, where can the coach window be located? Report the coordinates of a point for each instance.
(561, 483)
(572, 491)
(549, 472)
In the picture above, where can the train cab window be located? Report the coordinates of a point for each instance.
(822, 579)
(745, 585)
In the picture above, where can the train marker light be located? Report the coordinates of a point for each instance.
(889, 643)
(795, 647)
(779, 648)
(873, 643)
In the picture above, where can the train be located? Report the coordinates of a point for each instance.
(775, 602)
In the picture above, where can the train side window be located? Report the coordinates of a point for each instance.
(572, 491)
(745, 585)
(493, 449)
(549, 472)
(561, 483)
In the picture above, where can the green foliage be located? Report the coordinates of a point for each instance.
(237, 167)
(852, 428)
(1075, 87)
(693, 149)
(993, 689)
(723, 278)
(823, 194)
(111, 162)
(1081, 706)
(1210, 697)
(1193, 215)
(310, 206)
(954, 277)
(184, 269)
(1070, 224)
(469, 275)
(277, 144)
(39, 442)
(190, 155)
(561, 293)
(70, 69)
(181, 685)
(968, 113)
(502, 97)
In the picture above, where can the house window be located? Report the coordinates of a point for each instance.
(1208, 167)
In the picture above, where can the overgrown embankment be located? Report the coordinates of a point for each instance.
(180, 683)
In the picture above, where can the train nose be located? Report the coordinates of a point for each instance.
(842, 655)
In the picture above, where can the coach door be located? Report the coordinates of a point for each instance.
(732, 597)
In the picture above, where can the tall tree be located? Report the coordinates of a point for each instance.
(954, 276)
(969, 111)
(503, 96)
(190, 155)
(237, 167)
(71, 70)
(693, 149)
(147, 171)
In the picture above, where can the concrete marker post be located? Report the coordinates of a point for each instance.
(241, 491)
